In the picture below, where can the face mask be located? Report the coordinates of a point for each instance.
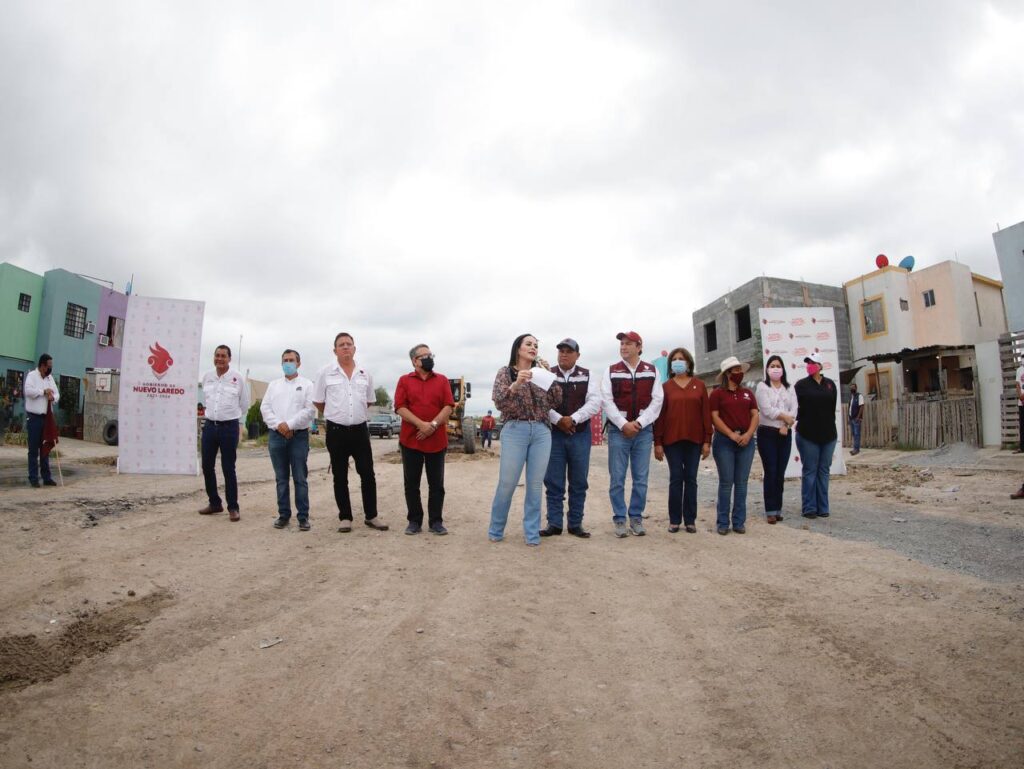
(428, 364)
(680, 367)
(736, 379)
(812, 369)
(289, 368)
(775, 374)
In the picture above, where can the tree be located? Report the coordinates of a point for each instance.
(383, 399)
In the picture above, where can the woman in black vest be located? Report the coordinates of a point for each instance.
(525, 437)
(815, 436)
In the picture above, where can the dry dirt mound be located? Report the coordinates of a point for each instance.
(27, 659)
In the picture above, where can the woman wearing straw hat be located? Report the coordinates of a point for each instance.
(735, 417)
(816, 436)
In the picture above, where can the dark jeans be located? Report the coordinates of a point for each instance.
(570, 455)
(288, 456)
(683, 460)
(733, 463)
(774, 449)
(855, 433)
(223, 437)
(815, 464)
(413, 462)
(485, 438)
(36, 460)
(352, 441)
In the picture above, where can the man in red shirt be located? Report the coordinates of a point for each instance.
(424, 401)
(486, 426)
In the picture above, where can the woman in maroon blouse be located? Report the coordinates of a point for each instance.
(682, 434)
(525, 437)
(735, 416)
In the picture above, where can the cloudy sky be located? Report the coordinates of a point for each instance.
(460, 172)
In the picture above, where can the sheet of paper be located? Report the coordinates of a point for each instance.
(542, 378)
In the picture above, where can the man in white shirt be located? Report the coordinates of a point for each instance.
(343, 392)
(631, 396)
(40, 391)
(227, 400)
(287, 409)
(570, 441)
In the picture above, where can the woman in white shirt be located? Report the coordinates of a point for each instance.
(776, 401)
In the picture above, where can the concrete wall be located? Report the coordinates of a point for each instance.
(990, 390)
(1009, 245)
(19, 329)
(100, 407)
(755, 294)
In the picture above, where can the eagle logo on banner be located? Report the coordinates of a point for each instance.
(160, 361)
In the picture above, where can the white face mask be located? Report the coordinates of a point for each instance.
(775, 374)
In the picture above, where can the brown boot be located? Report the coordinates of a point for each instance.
(1018, 494)
(211, 509)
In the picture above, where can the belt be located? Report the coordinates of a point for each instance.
(345, 427)
(222, 421)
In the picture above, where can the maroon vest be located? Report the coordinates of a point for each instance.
(574, 392)
(633, 392)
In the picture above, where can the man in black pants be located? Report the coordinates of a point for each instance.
(424, 401)
(343, 391)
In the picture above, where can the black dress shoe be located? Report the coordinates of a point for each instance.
(550, 531)
(579, 531)
(34, 484)
(49, 482)
(809, 515)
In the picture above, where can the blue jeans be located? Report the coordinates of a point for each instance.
(288, 456)
(485, 438)
(569, 454)
(683, 460)
(221, 437)
(855, 432)
(816, 461)
(634, 453)
(774, 449)
(522, 444)
(733, 463)
(36, 460)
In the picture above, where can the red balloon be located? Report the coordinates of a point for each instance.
(882, 261)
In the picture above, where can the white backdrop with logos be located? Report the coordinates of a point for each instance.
(792, 333)
(159, 386)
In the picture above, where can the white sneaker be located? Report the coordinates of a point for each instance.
(636, 526)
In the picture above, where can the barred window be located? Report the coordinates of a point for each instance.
(24, 302)
(74, 321)
(70, 389)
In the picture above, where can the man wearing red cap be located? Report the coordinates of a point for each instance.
(632, 402)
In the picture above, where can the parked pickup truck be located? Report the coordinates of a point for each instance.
(385, 425)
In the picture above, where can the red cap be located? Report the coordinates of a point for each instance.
(632, 336)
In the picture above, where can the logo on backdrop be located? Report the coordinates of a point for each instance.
(160, 361)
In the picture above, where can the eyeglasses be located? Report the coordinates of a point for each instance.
(425, 357)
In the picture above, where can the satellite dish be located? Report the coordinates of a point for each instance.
(882, 261)
(907, 263)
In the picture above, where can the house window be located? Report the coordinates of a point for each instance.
(879, 386)
(74, 321)
(929, 297)
(115, 330)
(874, 316)
(69, 388)
(710, 337)
(743, 323)
(904, 305)
(24, 302)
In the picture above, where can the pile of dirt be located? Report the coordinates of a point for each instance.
(27, 659)
(889, 482)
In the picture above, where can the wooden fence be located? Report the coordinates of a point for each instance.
(876, 430)
(1011, 352)
(930, 424)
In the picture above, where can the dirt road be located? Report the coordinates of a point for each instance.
(131, 630)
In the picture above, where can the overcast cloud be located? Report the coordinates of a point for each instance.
(458, 173)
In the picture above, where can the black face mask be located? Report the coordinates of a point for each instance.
(428, 364)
